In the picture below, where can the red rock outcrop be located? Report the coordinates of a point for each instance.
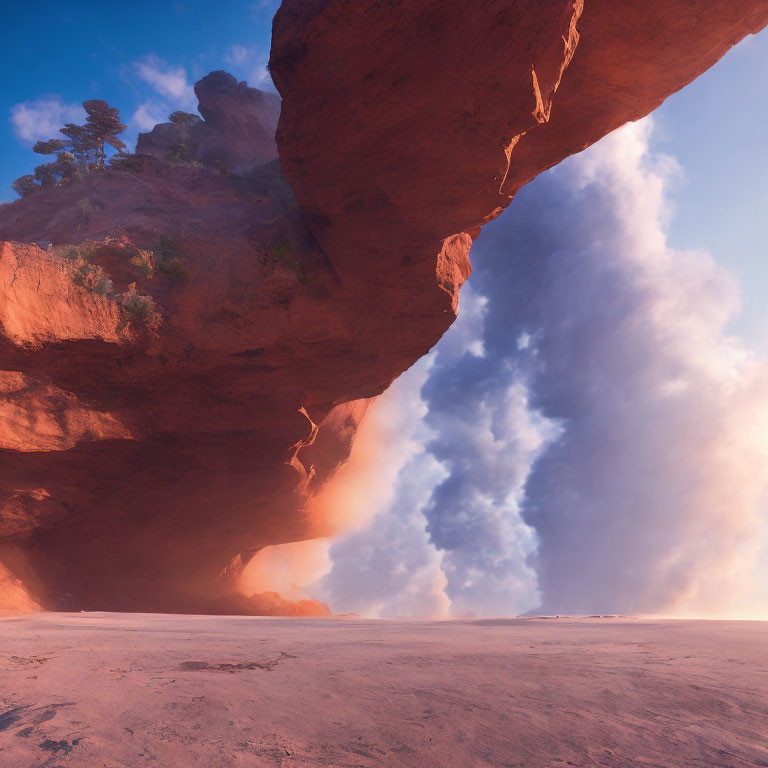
(439, 112)
(160, 429)
(237, 132)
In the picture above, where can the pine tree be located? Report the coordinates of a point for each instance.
(50, 147)
(81, 152)
(61, 171)
(103, 125)
(25, 185)
(82, 145)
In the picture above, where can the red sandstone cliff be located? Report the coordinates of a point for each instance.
(158, 431)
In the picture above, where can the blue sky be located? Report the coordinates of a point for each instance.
(716, 130)
(67, 53)
(143, 59)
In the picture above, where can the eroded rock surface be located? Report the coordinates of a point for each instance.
(440, 112)
(160, 429)
(236, 132)
(149, 457)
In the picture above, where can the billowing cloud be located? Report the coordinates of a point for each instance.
(430, 546)
(652, 498)
(384, 564)
(391, 568)
(41, 119)
(587, 437)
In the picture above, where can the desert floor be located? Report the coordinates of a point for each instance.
(164, 691)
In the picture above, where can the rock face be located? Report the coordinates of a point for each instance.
(237, 132)
(147, 461)
(186, 342)
(440, 112)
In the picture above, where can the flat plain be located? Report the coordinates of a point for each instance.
(109, 690)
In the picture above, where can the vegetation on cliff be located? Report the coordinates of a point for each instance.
(81, 152)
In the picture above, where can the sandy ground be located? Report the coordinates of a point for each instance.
(164, 691)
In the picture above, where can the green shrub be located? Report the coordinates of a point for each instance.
(174, 268)
(25, 185)
(168, 260)
(145, 261)
(165, 248)
(92, 277)
(139, 308)
(283, 253)
(82, 212)
(79, 253)
(180, 153)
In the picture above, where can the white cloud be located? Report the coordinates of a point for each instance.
(148, 115)
(173, 91)
(41, 119)
(168, 81)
